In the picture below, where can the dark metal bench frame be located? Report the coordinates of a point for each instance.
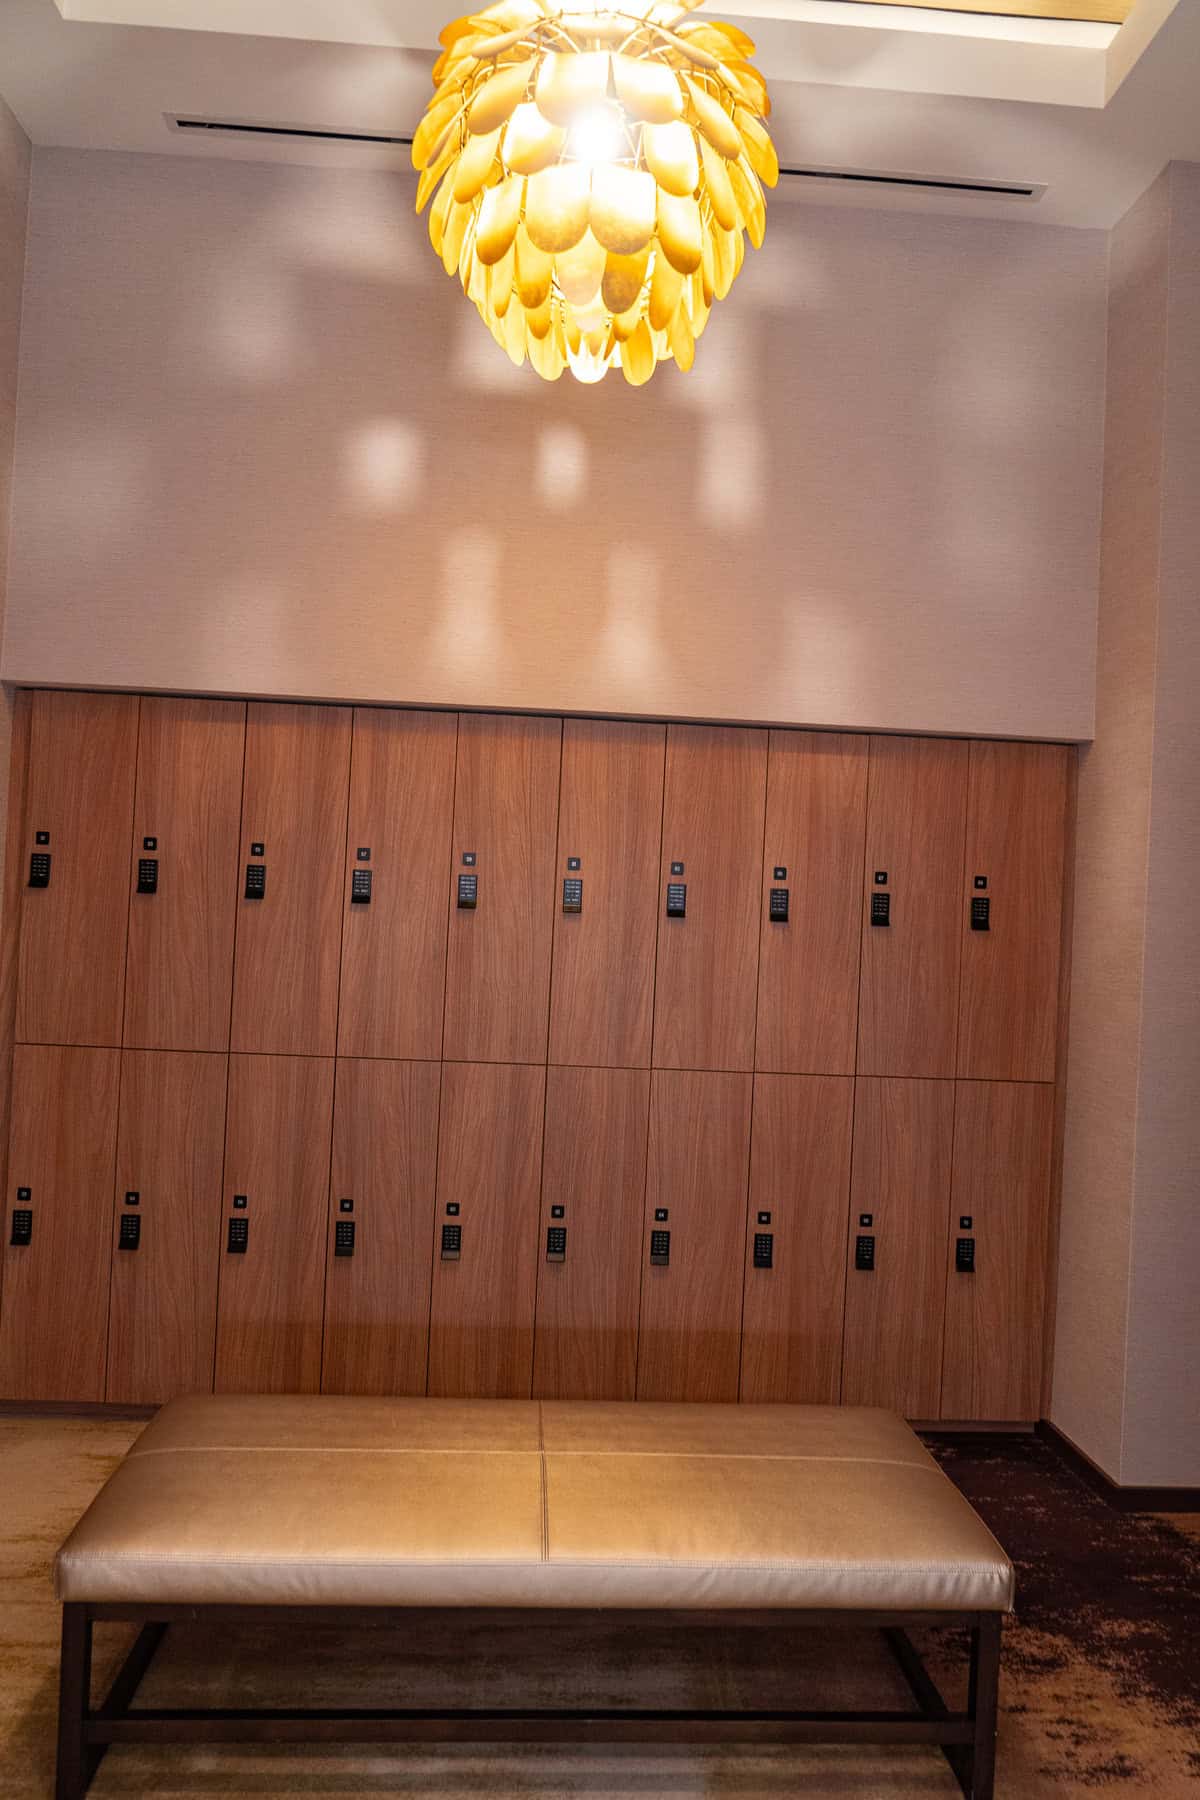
(967, 1739)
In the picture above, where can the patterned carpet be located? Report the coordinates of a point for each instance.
(1101, 1690)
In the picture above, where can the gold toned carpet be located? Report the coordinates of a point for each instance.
(1099, 1694)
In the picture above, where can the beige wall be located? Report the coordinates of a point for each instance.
(14, 207)
(266, 446)
(1128, 1342)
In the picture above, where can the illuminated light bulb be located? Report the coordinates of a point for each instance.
(593, 173)
(598, 135)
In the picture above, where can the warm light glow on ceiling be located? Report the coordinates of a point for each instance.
(595, 170)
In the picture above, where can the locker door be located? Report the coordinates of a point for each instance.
(808, 960)
(71, 969)
(908, 1006)
(271, 1291)
(185, 837)
(593, 1188)
(899, 1192)
(498, 957)
(712, 842)
(992, 1366)
(381, 1197)
(285, 972)
(54, 1301)
(1013, 874)
(688, 1345)
(162, 1316)
(796, 1238)
(394, 921)
(609, 833)
(485, 1278)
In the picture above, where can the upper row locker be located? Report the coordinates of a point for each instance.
(75, 905)
(294, 800)
(498, 951)
(713, 803)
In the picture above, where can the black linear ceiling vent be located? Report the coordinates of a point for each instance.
(1001, 190)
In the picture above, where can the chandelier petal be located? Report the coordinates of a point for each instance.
(670, 153)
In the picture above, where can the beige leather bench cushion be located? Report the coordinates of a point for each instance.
(335, 1501)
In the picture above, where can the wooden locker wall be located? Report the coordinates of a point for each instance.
(799, 1176)
(808, 966)
(285, 974)
(54, 1297)
(916, 822)
(992, 1361)
(610, 818)
(892, 1348)
(697, 1171)
(394, 947)
(594, 1171)
(498, 955)
(71, 972)
(271, 1296)
(385, 1164)
(1016, 826)
(162, 1315)
(489, 1172)
(713, 807)
(179, 970)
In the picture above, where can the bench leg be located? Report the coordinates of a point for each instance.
(983, 1703)
(74, 1698)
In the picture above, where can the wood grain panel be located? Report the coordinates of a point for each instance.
(594, 1168)
(489, 1165)
(62, 1143)
(808, 967)
(892, 1349)
(285, 980)
(498, 958)
(697, 1168)
(908, 1004)
(270, 1301)
(394, 950)
(610, 816)
(992, 1360)
(713, 804)
(179, 971)
(71, 982)
(1016, 840)
(162, 1316)
(385, 1130)
(800, 1175)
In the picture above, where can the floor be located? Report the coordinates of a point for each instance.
(1101, 1688)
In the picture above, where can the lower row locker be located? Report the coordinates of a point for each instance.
(593, 1186)
(693, 1245)
(896, 1266)
(381, 1195)
(796, 1238)
(995, 1274)
(485, 1230)
(272, 1281)
(165, 1225)
(54, 1299)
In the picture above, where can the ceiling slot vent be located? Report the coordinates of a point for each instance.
(311, 133)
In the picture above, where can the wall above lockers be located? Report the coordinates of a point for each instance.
(265, 447)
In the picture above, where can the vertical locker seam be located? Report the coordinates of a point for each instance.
(762, 863)
(133, 800)
(337, 1038)
(450, 889)
(433, 1236)
(229, 1049)
(120, 1044)
(537, 1241)
(112, 1210)
(662, 826)
(862, 931)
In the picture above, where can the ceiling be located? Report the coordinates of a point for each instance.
(1089, 109)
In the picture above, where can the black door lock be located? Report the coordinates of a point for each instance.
(864, 1253)
(239, 1237)
(343, 1237)
(980, 912)
(256, 881)
(964, 1255)
(572, 901)
(130, 1235)
(881, 909)
(660, 1248)
(778, 906)
(147, 881)
(556, 1243)
(677, 899)
(360, 887)
(468, 891)
(764, 1250)
(22, 1225)
(451, 1243)
(39, 869)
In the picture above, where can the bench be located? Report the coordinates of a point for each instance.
(299, 1509)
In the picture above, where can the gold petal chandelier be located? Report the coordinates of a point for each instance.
(593, 172)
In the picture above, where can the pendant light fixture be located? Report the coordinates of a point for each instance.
(593, 171)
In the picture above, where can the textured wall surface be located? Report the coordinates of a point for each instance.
(1128, 1342)
(266, 446)
(14, 207)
